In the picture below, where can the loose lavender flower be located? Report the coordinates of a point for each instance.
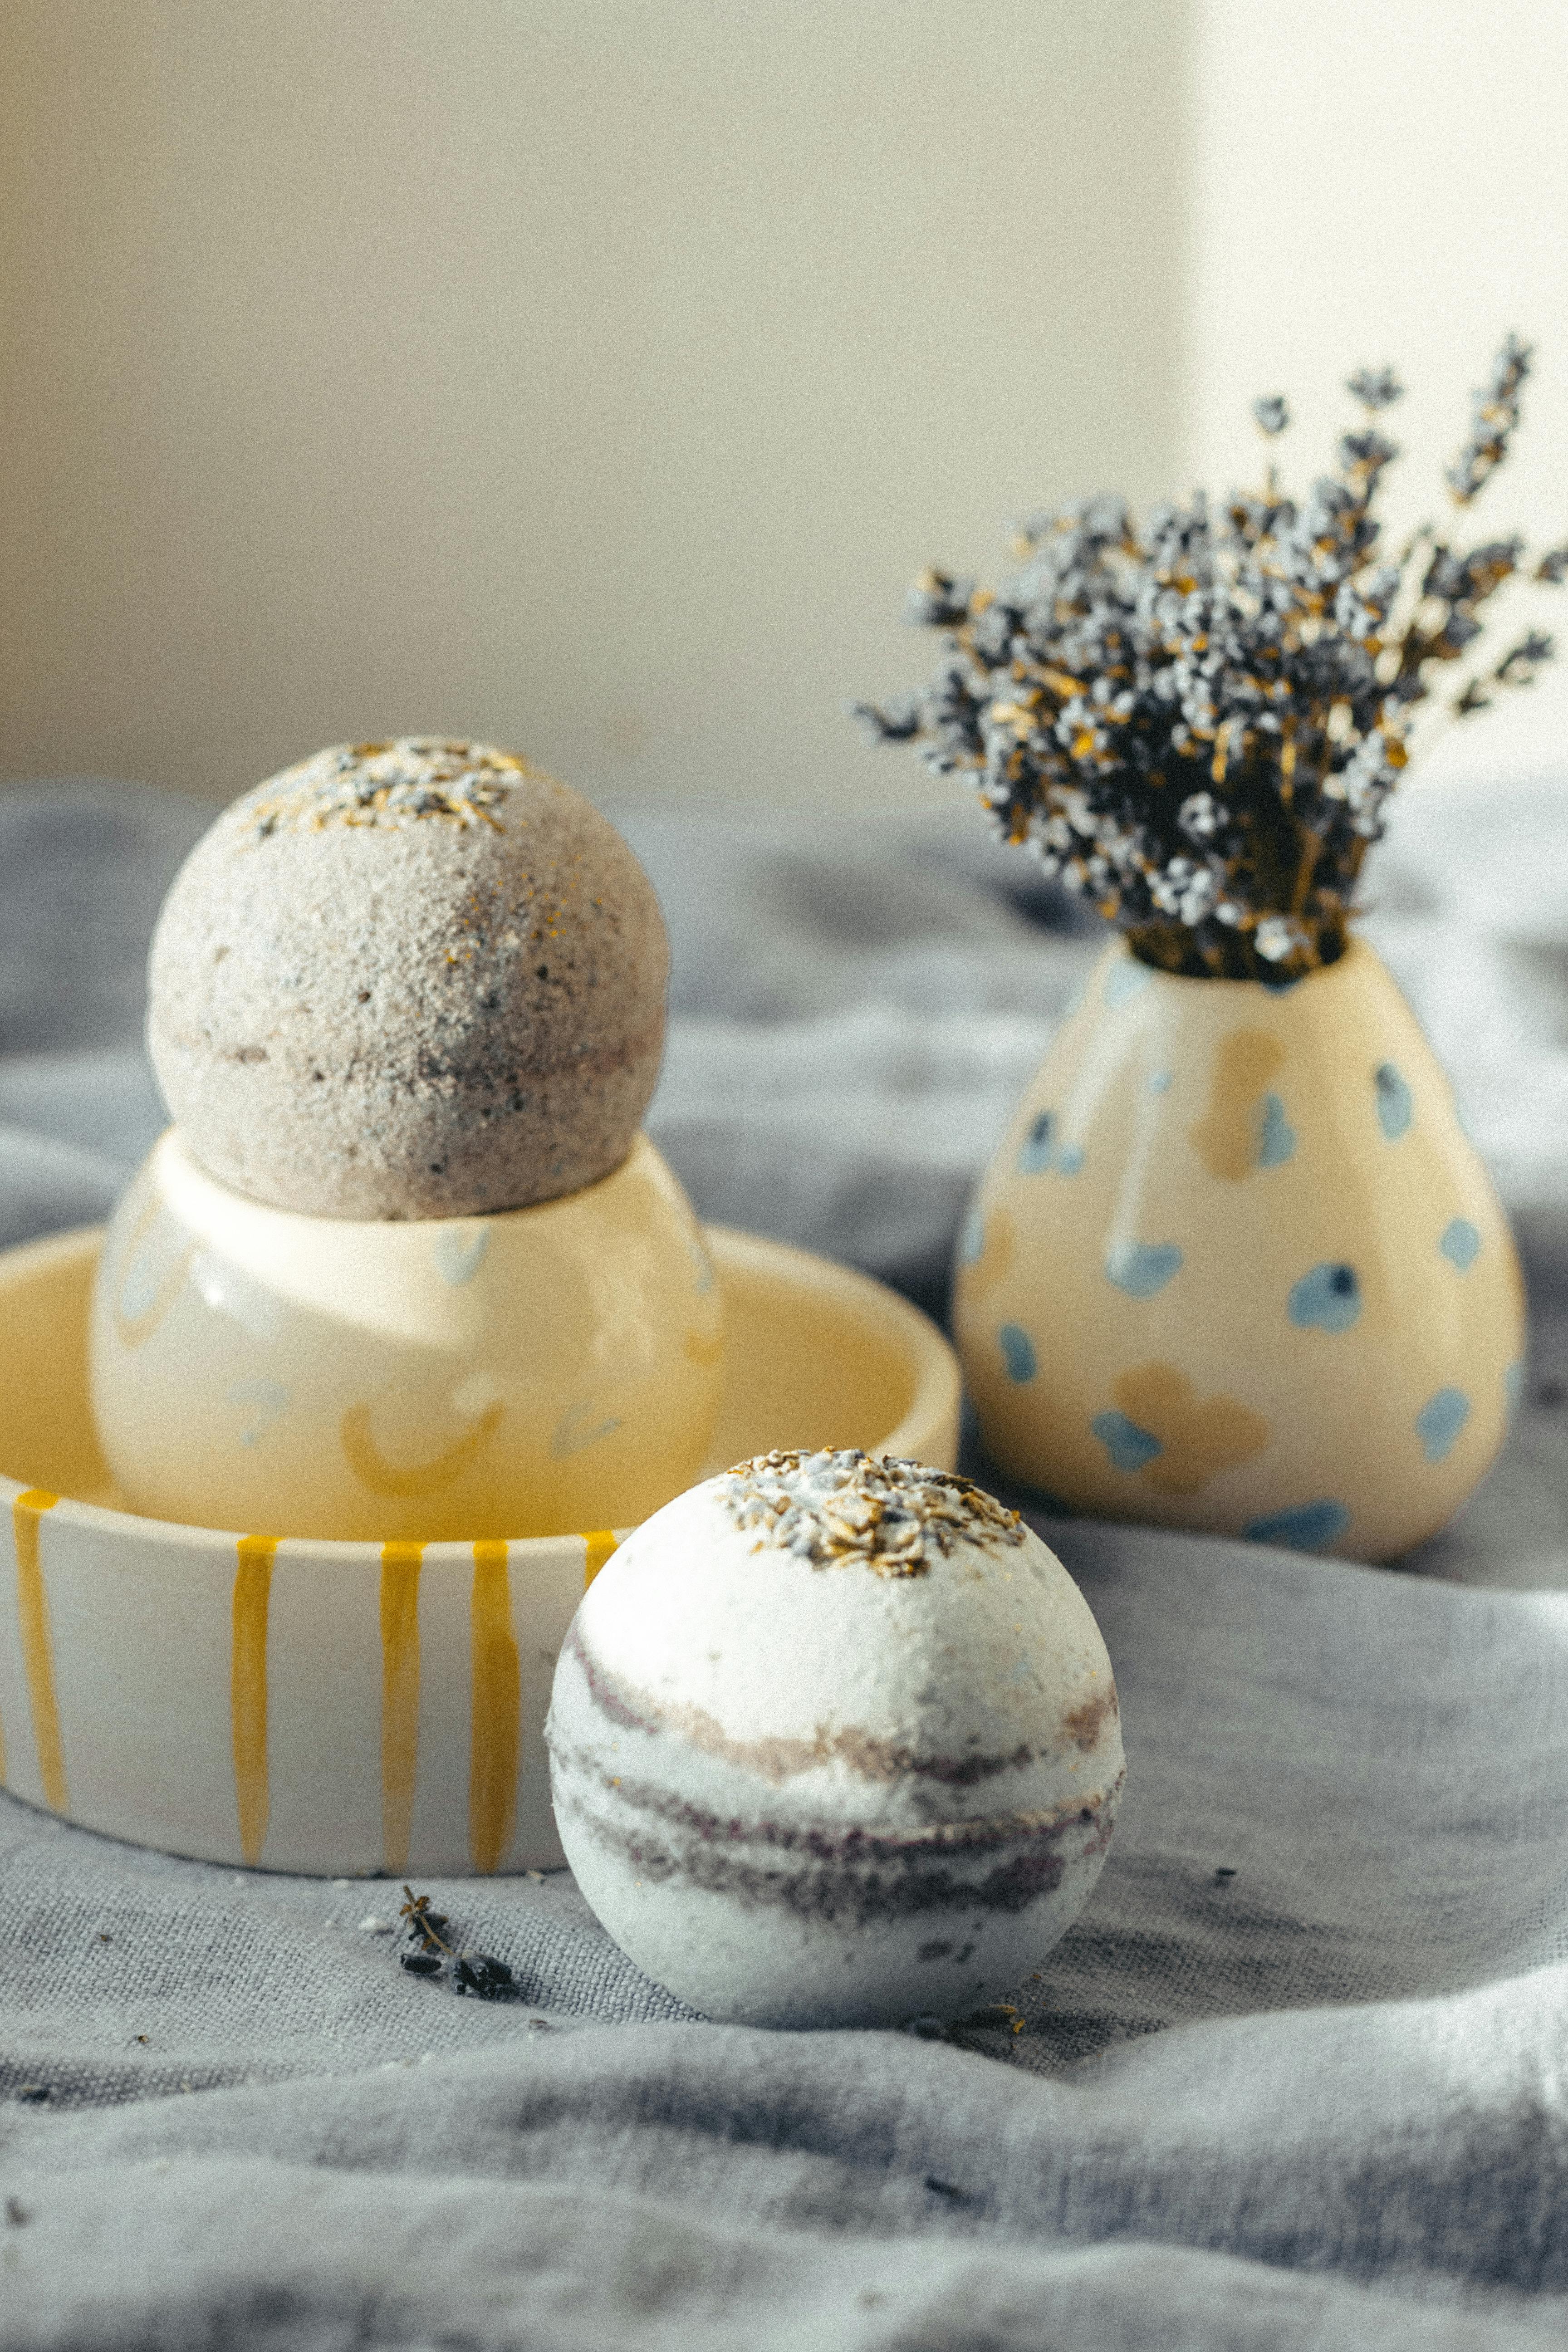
(1197, 727)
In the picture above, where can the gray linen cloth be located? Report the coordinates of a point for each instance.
(1299, 2078)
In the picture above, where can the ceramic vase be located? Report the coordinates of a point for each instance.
(1236, 1266)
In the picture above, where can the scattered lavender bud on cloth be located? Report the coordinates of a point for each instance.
(435, 1954)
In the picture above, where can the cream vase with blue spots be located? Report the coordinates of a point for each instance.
(1237, 1267)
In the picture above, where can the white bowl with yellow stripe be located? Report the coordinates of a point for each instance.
(338, 1706)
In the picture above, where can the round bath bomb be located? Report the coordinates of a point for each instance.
(416, 979)
(835, 1741)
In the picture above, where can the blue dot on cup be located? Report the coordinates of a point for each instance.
(459, 1251)
(1307, 1526)
(1127, 978)
(1327, 1299)
(1277, 1140)
(972, 1239)
(1040, 1149)
(1460, 1244)
(1129, 1446)
(1439, 1421)
(1141, 1268)
(1017, 1352)
(1392, 1101)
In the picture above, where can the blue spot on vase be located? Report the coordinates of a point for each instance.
(702, 1267)
(1040, 1149)
(1278, 1137)
(1141, 1268)
(1327, 1299)
(1513, 1386)
(972, 1239)
(1160, 1081)
(1034, 1151)
(1392, 1101)
(1129, 1446)
(1461, 1245)
(1017, 1352)
(1439, 1421)
(1309, 1526)
(1126, 979)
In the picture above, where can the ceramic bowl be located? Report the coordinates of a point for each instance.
(419, 1381)
(347, 1708)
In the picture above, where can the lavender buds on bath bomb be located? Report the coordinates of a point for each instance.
(835, 1741)
(412, 978)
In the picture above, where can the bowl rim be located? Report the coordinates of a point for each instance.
(937, 1390)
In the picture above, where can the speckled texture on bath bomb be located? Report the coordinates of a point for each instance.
(416, 979)
(834, 1742)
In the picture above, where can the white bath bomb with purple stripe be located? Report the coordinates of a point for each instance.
(835, 1741)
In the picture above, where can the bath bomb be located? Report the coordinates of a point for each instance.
(835, 1741)
(411, 978)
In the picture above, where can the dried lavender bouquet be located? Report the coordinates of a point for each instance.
(1199, 729)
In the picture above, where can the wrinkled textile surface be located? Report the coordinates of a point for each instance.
(1299, 2078)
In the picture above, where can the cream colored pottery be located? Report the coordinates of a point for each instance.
(1236, 1266)
(427, 1380)
(346, 1708)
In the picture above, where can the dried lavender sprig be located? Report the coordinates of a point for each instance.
(1493, 423)
(1198, 728)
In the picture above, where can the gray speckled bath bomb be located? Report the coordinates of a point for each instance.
(416, 979)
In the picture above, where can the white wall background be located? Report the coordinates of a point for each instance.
(1388, 179)
(586, 375)
(593, 375)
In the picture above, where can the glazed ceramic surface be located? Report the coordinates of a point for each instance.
(424, 1380)
(249, 1696)
(1237, 1267)
(803, 1793)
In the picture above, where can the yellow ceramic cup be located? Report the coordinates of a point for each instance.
(521, 1374)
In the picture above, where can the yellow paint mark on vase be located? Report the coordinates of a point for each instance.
(248, 1691)
(1198, 1440)
(371, 1468)
(1226, 1138)
(701, 1347)
(400, 1566)
(37, 1646)
(496, 1709)
(600, 1543)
